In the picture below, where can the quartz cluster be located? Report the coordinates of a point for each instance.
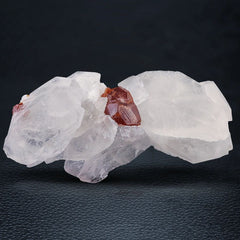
(96, 129)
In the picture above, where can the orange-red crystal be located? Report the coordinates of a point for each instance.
(121, 107)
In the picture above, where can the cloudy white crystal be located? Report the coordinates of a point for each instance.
(52, 116)
(39, 131)
(64, 119)
(130, 141)
(182, 117)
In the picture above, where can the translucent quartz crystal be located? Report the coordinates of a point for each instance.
(67, 118)
(182, 117)
(60, 112)
(130, 141)
(121, 107)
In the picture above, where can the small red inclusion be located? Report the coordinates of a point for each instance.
(17, 107)
(121, 107)
(106, 92)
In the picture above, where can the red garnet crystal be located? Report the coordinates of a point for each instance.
(121, 107)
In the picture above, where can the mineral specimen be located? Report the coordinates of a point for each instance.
(96, 129)
(120, 107)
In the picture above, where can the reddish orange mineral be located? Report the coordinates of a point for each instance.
(17, 107)
(121, 107)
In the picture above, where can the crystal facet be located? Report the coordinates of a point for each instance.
(96, 129)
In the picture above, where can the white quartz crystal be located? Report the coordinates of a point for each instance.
(54, 115)
(129, 142)
(182, 117)
(64, 119)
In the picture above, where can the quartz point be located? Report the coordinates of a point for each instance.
(96, 129)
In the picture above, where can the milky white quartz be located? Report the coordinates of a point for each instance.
(55, 115)
(64, 119)
(182, 117)
(130, 141)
